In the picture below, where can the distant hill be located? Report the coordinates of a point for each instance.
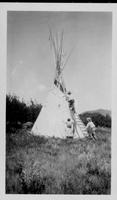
(103, 112)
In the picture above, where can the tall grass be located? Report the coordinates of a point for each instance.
(37, 165)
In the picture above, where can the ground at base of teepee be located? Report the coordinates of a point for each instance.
(37, 165)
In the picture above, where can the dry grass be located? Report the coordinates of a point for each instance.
(36, 165)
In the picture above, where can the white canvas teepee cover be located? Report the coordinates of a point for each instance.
(53, 116)
(51, 120)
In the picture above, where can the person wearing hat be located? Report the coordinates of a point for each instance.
(91, 128)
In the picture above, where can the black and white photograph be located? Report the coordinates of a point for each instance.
(58, 102)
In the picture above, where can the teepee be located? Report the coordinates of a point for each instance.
(51, 121)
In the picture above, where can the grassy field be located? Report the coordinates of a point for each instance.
(37, 165)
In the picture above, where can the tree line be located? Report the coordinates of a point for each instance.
(17, 111)
(97, 118)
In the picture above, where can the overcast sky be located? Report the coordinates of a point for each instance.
(30, 61)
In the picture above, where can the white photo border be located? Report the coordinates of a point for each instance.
(88, 7)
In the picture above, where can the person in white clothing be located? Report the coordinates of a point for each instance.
(91, 128)
(69, 128)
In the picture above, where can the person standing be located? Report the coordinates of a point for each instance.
(69, 128)
(91, 128)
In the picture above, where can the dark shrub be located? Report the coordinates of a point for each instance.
(17, 112)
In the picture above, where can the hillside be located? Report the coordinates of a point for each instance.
(103, 112)
(37, 165)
